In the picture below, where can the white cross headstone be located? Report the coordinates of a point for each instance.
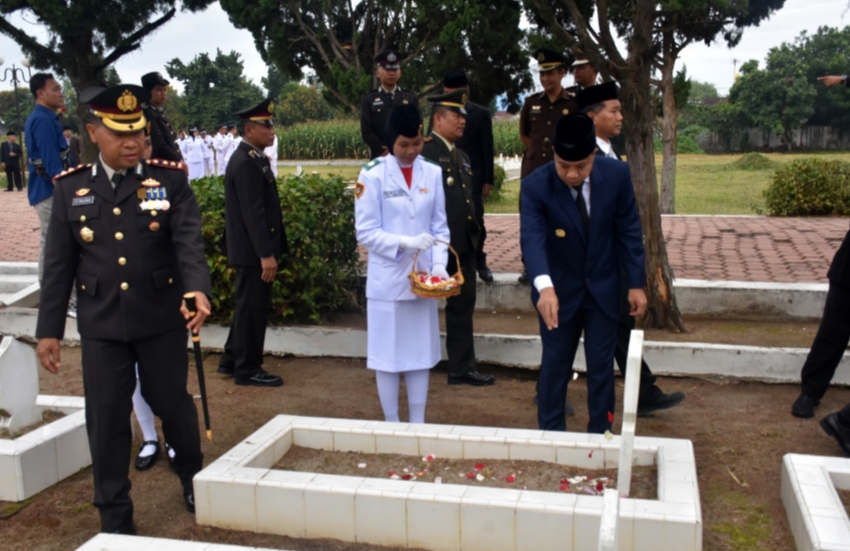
(630, 403)
(608, 522)
(18, 385)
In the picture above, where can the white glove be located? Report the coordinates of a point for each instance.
(440, 271)
(421, 242)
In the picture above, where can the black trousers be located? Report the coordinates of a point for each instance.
(459, 311)
(13, 177)
(625, 324)
(243, 351)
(109, 379)
(830, 343)
(480, 255)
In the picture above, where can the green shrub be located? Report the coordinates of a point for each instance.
(809, 187)
(499, 177)
(321, 272)
(686, 145)
(753, 161)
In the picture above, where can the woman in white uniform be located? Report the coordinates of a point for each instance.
(400, 209)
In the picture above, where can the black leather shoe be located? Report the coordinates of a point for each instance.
(260, 379)
(225, 370)
(189, 499)
(145, 463)
(471, 377)
(168, 456)
(126, 530)
(833, 427)
(485, 274)
(659, 402)
(804, 407)
(523, 277)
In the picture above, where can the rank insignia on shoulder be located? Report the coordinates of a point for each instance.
(69, 171)
(82, 191)
(166, 164)
(150, 182)
(371, 164)
(253, 154)
(359, 189)
(429, 139)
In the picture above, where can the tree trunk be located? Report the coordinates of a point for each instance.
(669, 138)
(662, 310)
(82, 78)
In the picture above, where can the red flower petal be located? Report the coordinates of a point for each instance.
(610, 416)
(479, 466)
(564, 481)
(565, 488)
(391, 473)
(511, 479)
(406, 477)
(600, 486)
(470, 476)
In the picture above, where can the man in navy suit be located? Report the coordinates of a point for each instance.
(579, 223)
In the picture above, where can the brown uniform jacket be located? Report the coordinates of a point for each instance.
(537, 121)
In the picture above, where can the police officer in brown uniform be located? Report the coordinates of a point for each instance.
(129, 232)
(375, 106)
(449, 122)
(541, 112)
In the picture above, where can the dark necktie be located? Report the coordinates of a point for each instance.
(116, 181)
(582, 209)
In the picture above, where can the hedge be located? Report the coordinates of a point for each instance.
(809, 187)
(321, 273)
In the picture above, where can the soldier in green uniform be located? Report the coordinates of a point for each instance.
(129, 233)
(375, 106)
(449, 121)
(541, 112)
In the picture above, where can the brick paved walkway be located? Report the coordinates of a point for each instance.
(700, 247)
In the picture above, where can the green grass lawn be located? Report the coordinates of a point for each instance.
(705, 184)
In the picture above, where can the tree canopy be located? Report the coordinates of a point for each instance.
(338, 41)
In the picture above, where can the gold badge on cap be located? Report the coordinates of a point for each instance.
(82, 191)
(127, 102)
(465, 97)
(87, 235)
(560, 233)
(154, 226)
(541, 57)
(271, 107)
(450, 181)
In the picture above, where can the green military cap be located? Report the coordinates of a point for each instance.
(454, 100)
(549, 59)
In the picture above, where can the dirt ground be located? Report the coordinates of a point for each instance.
(514, 475)
(742, 428)
(47, 417)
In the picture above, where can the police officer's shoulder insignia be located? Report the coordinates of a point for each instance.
(429, 139)
(371, 164)
(70, 171)
(359, 189)
(166, 164)
(427, 160)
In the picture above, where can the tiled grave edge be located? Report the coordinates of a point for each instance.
(240, 490)
(114, 542)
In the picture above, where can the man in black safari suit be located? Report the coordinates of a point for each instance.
(255, 241)
(448, 126)
(10, 157)
(129, 232)
(163, 138)
(375, 106)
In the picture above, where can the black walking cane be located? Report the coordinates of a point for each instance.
(199, 362)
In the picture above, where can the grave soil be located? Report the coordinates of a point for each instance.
(752, 330)
(743, 428)
(47, 417)
(527, 475)
(845, 499)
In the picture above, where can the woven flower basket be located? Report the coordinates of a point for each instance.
(443, 289)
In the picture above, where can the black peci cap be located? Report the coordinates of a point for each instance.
(597, 94)
(548, 59)
(404, 120)
(455, 100)
(389, 59)
(262, 113)
(153, 79)
(11, 133)
(456, 79)
(119, 107)
(575, 137)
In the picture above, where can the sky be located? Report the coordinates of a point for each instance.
(188, 34)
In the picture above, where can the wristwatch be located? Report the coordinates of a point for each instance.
(844, 80)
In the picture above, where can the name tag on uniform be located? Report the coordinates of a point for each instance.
(394, 193)
(77, 201)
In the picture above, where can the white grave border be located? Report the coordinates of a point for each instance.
(53, 452)
(240, 490)
(115, 542)
(809, 492)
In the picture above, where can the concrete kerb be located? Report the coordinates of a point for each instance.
(772, 365)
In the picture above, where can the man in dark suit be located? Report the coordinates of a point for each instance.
(375, 106)
(601, 103)
(10, 158)
(255, 241)
(163, 138)
(74, 157)
(129, 232)
(579, 225)
(477, 143)
(449, 122)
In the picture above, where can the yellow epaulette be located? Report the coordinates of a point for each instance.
(70, 171)
(428, 139)
(174, 165)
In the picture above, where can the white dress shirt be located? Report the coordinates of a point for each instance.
(606, 148)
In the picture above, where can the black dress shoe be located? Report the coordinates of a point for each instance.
(168, 456)
(260, 379)
(471, 377)
(485, 274)
(148, 461)
(189, 499)
(804, 407)
(659, 402)
(225, 370)
(523, 277)
(833, 427)
(126, 530)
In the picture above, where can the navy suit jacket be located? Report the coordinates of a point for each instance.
(554, 242)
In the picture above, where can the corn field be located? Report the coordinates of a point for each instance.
(340, 139)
